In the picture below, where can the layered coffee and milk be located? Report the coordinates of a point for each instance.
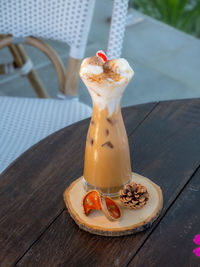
(107, 160)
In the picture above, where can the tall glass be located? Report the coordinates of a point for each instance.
(107, 159)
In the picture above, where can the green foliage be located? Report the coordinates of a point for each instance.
(182, 14)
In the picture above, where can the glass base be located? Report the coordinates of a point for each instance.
(112, 192)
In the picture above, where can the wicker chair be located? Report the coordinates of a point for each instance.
(23, 121)
(117, 28)
(64, 20)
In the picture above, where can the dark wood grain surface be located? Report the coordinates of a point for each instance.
(36, 229)
(171, 243)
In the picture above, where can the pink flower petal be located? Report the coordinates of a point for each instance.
(197, 239)
(197, 251)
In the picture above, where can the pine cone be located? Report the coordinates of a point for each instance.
(134, 196)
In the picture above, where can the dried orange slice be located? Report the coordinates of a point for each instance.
(110, 209)
(91, 201)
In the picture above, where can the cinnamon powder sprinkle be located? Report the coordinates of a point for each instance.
(108, 143)
(104, 75)
(107, 74)
(95, 61)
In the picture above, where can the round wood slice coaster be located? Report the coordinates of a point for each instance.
(132, 221)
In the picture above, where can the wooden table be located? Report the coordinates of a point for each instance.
(36, 229)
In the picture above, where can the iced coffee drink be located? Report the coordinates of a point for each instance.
(107, 159)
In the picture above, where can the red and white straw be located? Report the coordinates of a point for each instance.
(102, 55)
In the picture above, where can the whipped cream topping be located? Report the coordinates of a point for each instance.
(90, 69)
(122, 67)
(106, 81)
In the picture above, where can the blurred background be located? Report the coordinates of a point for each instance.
(161, 44)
